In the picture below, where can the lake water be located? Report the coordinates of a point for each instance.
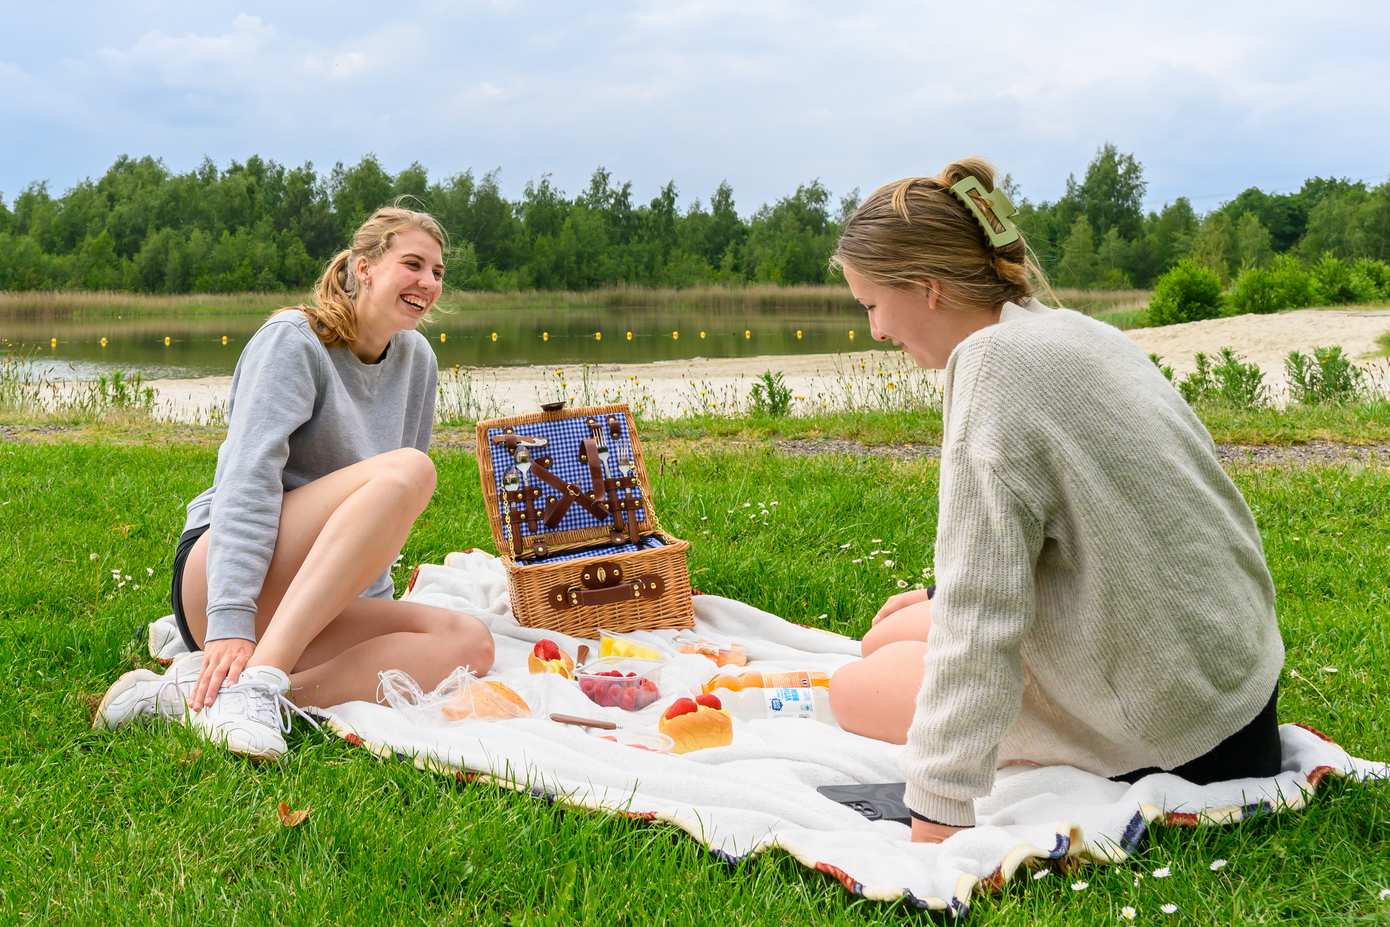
(206, 344)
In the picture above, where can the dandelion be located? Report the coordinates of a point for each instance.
(1217, 865)
(1169, 909)
(1162, 872)
(1080, 886)
(1128, 913)
(1041, 874)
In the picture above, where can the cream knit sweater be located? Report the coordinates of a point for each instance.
(1102, 595)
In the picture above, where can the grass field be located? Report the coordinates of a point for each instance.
(150, 826)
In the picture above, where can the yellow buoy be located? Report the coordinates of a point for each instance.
(629, 336)
(494, 336)
(443, 337)
(798, 334)
(545, 336)
(52, 342)
(702, 335)
(103, 342)
(224, 339)
(167, 341)
(851, 334)
(675, 336)
(747, 333)
(598, 336)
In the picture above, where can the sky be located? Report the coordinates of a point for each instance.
(1211, 97)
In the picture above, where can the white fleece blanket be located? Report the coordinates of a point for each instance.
(760, 792)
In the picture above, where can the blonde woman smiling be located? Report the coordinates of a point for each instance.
(1103, 599)
(282, 575)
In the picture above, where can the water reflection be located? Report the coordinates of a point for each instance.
(208, 344)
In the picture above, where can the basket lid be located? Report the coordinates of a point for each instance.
(554, 440)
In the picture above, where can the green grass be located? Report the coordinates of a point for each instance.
(150, 826)
(1384, 342)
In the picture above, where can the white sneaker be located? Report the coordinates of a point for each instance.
(251, 717)
(165, 641)
(142, 693)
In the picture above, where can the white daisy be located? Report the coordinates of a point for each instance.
(1217, 864)
(1080, 886)
(1169, 909)
(1162, 872)
(1041, 874)
(1128, 913)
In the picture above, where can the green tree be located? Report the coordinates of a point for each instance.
(1214, 247)
(1254, 244)
(1078, 266)
(1113, 261)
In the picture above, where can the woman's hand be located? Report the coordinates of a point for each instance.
(931, 832)
(901, 600)
(222, 660)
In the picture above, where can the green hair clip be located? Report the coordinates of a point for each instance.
(993, 210)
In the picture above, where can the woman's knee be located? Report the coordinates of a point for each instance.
(912, 623)
(412, 471)
(877, 697)
(467, 639)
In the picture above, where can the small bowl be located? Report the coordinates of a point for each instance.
(620, 682)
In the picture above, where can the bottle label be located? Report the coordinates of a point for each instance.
(790, 703)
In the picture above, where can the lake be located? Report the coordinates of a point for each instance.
(87, 341)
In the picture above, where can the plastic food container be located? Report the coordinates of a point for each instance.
(620, 682)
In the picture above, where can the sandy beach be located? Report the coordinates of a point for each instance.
(823, 381)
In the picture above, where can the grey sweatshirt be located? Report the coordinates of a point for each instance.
(1102, 594)
(298, 411)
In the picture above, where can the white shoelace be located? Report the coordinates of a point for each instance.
(266, 705)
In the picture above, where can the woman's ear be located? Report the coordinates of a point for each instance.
(932, 291)
(363, 278)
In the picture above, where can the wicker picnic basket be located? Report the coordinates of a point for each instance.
(569, 504)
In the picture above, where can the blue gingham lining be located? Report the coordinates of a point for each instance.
(649, 542)
(563, 450)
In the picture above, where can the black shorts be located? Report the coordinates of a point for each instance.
(1251, 752)
(181, 552)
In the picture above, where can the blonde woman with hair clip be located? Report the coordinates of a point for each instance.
(282, 577)
(1102, 595)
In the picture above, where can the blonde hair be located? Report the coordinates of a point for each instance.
(332, 310)
(914, 229)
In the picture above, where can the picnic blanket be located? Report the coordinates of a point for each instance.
(760, 792)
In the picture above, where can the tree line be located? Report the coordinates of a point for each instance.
(260, 225)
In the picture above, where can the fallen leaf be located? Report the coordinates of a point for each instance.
(291, 818)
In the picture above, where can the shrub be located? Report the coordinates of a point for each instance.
(1328, 377)
(1187, 293)
(1231, 382)
(771, 396)
(1333, 279)
(1371, 279)
(1257, 291)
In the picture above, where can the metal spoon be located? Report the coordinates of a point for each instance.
(511, 482)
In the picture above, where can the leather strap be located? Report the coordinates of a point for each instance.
(588, 449)
(569, 494)
(648, 586)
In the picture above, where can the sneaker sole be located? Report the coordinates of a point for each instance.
(117, 689)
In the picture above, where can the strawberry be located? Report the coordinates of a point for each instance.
(546, 649)
(645, 696)
(709, 701)
(680, 707)
(627, 699)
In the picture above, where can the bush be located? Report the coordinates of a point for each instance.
(1328, 377)
(1231, 382)
(1285, 284)
(770, 396)
(1257, 291)
(1371, 279)
(1333, 280)
(1187, 293)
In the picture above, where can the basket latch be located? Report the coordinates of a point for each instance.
(603, 583)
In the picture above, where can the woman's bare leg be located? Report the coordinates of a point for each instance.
(906, 624)
(877, 696)
(337, 534)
